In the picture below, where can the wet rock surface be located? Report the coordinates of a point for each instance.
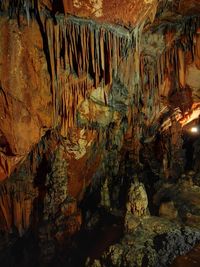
(99, 132)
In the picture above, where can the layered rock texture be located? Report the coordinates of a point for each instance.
(97, 99)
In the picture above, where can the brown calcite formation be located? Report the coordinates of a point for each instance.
(190, 7)
(79, 153)
(193, 67)
(7, 164)
(57, 72)
(43, 87)
(46, 4)
(16, 204)
(114, 11)
(92, 92)
(25, 97)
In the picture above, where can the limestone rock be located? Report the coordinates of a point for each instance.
(105, 195)
(136, 206)
(131, 222)
(95, 263)
(17, 196)
(168, 210)
(137, 200)
(183, 201)
(156, 242)
(108, 11)
(25, 99)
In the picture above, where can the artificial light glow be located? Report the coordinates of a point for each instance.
(194, 130)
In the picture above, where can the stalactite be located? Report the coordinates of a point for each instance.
(15, 7)
(176, 63)
(70, 59)
(181, 61)
(5, 206)
(102, 50)
(84, 51)
(80, 48)
(92, 49)
(50, 35)
(115, 58)
(166, 74)
(57, 49)
(16, 202)
(27, 8)
(110, 57)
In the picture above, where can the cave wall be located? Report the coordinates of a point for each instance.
(93, 94)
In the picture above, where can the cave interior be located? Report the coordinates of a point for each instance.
(99, 133)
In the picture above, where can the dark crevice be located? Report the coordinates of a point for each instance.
(44, 38)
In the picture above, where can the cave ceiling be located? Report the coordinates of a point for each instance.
(76, 65)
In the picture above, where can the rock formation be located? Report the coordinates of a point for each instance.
(99, 132)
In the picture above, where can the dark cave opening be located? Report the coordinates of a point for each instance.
(190, 145)
(58, 7)
(189, 151)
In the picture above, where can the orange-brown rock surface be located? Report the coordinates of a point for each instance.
(80, 77)
(91, 92)
(35, 79)
(190, 7)
(121, 12)
(25, 97)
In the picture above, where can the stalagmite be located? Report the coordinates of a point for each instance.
(114, 91)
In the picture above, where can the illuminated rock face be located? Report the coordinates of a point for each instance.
(49, 71)
(113, 11)
(25, 97)
(111, 83)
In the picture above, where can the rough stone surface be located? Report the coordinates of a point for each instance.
(155, 242)
(112, 11)
(91, 94)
